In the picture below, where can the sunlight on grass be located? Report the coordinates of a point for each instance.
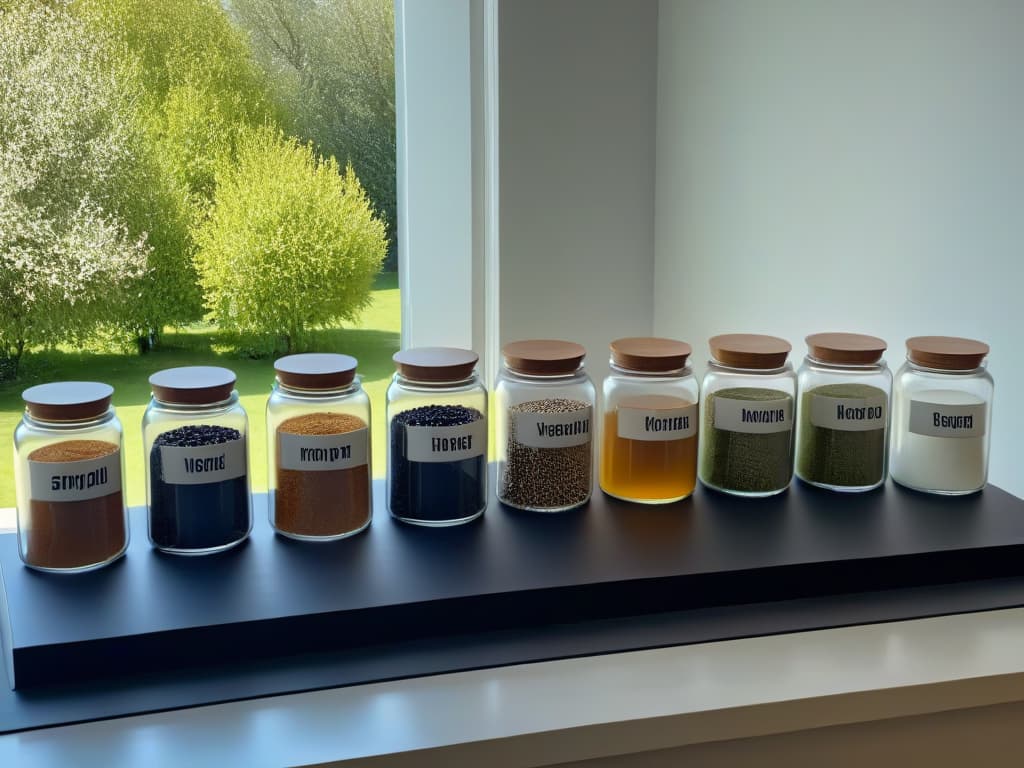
(372, 341)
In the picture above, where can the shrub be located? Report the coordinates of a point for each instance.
(290, 244)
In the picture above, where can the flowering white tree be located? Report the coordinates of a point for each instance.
(69, 143)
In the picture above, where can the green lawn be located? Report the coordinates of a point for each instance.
(372, 341)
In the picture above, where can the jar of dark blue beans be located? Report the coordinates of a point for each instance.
(195, 434)
(437, 430)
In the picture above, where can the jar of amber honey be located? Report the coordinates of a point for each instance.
(649, 423)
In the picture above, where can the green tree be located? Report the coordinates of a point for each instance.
(201, 86)
(290, 244)
(331, 63)
(70, 148)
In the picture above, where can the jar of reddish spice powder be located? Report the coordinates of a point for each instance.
(68, 470)
(318, 433)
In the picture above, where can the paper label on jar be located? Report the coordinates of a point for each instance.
(947, 419)
(554, 430)
(671, 418)
(75, 480)
(193, 465)
(758, 417)
(321, 453)
(848, 414)
(443, 444)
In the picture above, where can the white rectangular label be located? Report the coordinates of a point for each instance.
(848, 414)
(193, 465)
(758, 417)
(75, 480)
(321, 453)
(943, 420)
(667, 424)
(444, 444)
(554, 430)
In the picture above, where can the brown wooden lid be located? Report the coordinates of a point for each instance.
(68, 400)
(650, 354)
(435, 364)
(316, 370)
(845, 348)
(947, 353)
(193, 385)
(749, 350)
(543, 357)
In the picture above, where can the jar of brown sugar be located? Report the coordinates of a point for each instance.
(68, 478)
(318, 432)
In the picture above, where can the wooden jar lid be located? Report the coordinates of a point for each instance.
(316, 370)
(435, 364)
(845, 348)
(650, 354)
(946, 353)
(543, 357)
(67, 400)
(749, 350)
(193, 385)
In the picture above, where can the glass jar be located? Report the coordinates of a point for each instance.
(746, 440)
(437, 423)
(318, 448)
(545, 408)
(843, 412)
(195, 434)
(649, 423)
(68, 470)
(941, 416)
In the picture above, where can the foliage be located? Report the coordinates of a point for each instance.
(290, 244)
(201, 87)
(332, 65)
(70, 150)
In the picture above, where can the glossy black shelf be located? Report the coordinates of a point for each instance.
(635, 575)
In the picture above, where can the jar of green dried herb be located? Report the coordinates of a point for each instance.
(746, 440)
(843, 412)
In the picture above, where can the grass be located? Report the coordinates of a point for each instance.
(372, 341)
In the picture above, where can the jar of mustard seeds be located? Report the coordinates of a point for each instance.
(843, 412)
(649, 422)
(746, 439)
(544, 405)
(318, 448)
(68, 470)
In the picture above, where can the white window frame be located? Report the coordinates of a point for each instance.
(446, 132)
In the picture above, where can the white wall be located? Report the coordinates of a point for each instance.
(576, 89)
(846, 166)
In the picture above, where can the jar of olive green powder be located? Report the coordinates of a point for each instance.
(746, 439)
(843, 412)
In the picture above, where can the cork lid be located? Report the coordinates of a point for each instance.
(67, 400)
(435, 364)
(946, 353)
(193, 385)
(845, 348)
(314, 370)
(543, 357)
(749, 350)
(646, 353)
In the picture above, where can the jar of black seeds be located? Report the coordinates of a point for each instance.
(544, 401)
(746, 439)
(843, 412)
(195, 433)
(437, 437)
